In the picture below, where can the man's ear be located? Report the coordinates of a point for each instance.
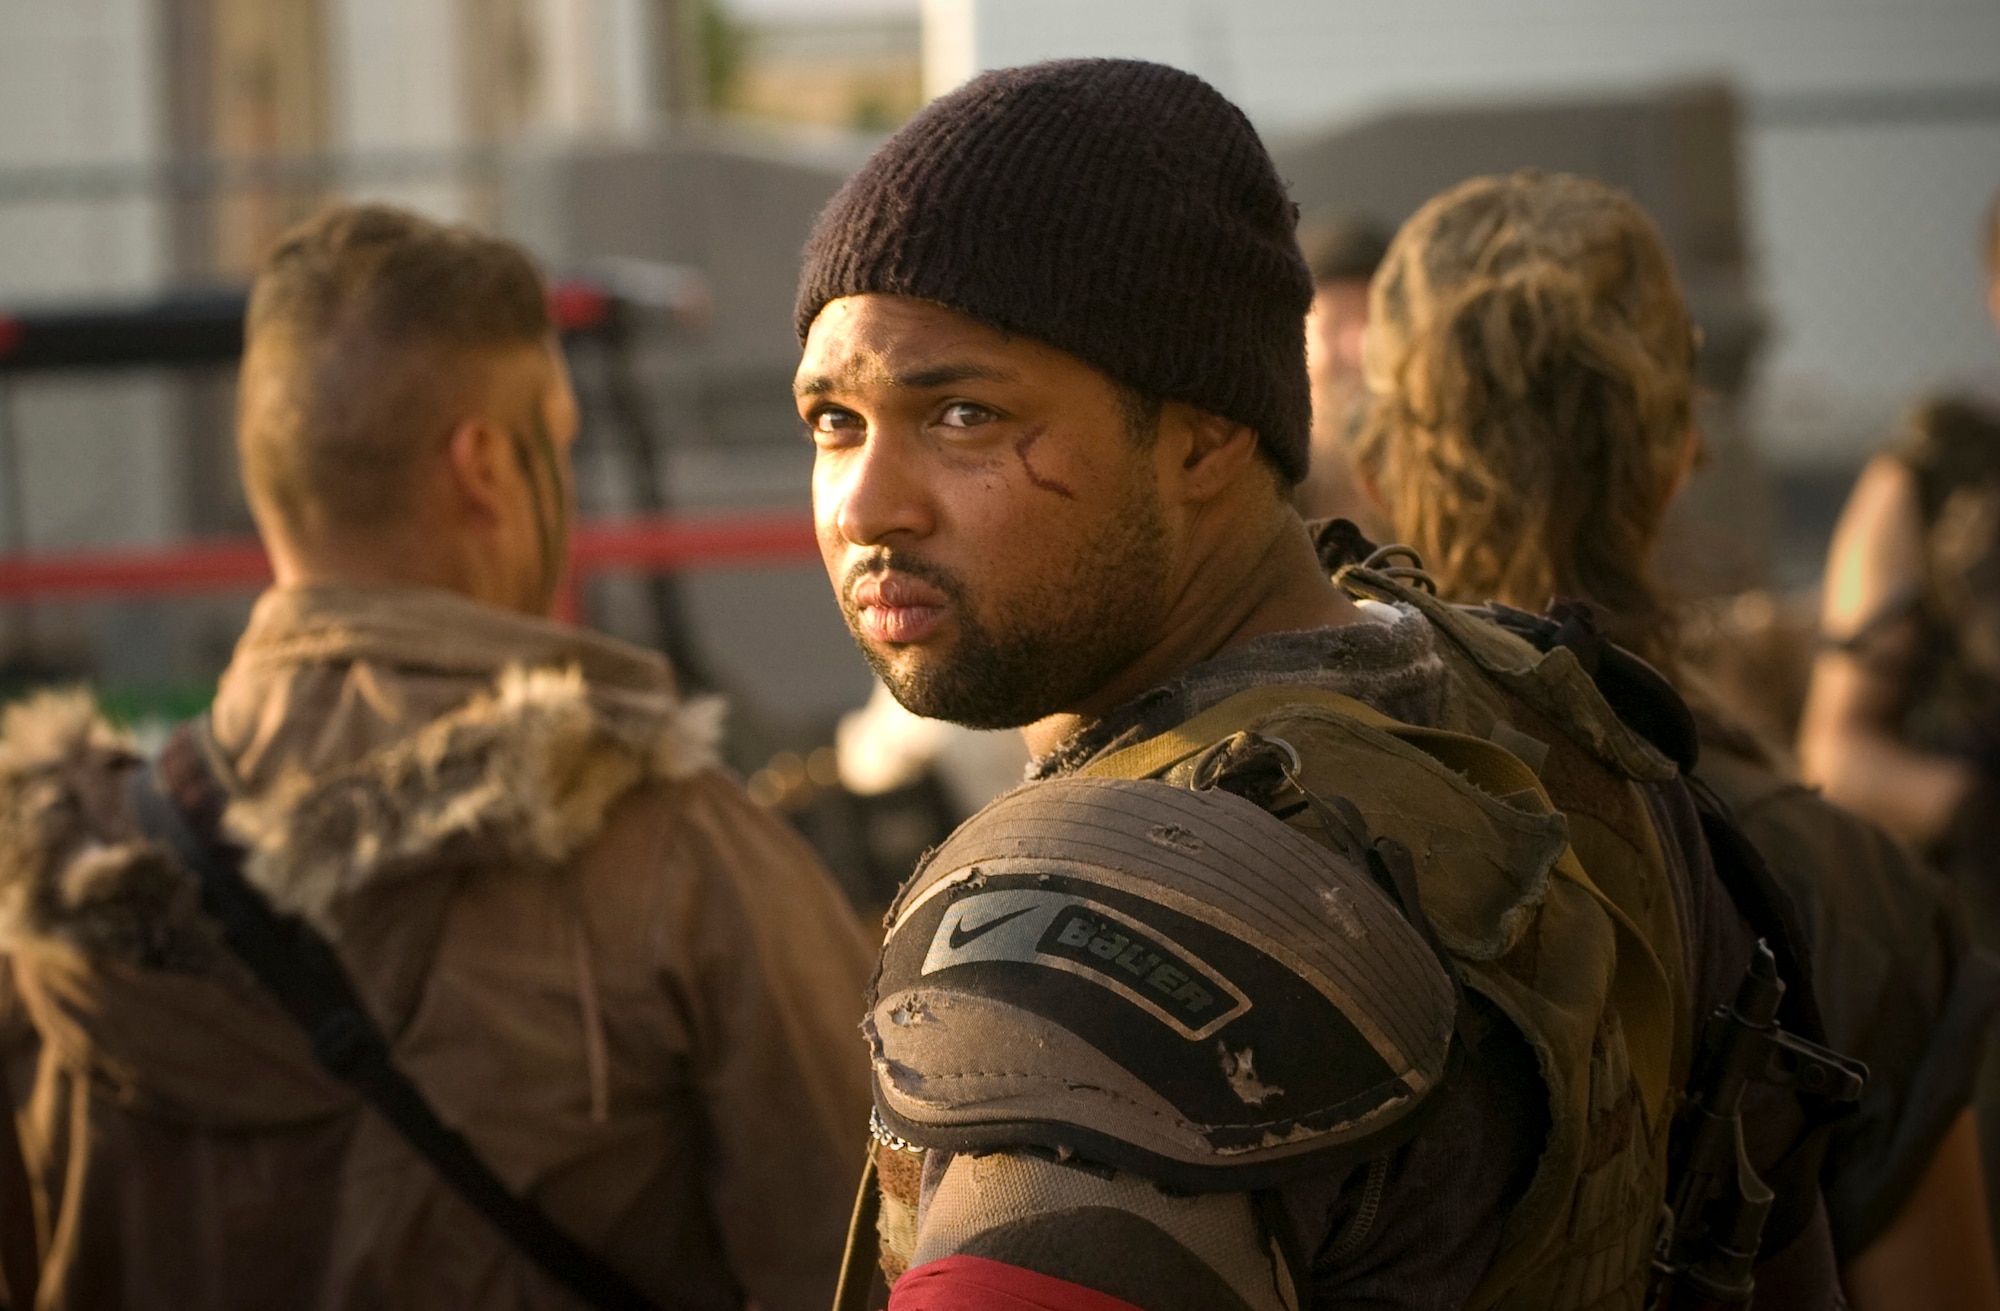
(1214, 451)
(475, 457)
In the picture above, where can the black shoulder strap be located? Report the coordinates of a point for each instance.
(1637, 693)
(20, 1244)
(179, 804)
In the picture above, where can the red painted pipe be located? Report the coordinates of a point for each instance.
(664, 545)
(676, 544)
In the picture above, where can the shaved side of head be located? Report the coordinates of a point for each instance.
(371, 331)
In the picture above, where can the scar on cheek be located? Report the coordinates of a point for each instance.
(1021, 448)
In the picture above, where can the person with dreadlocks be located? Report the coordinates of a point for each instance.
(1530, 363)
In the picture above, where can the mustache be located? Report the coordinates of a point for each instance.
(883, 562)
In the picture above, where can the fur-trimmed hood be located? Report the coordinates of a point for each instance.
(523, 773)
(359, 820)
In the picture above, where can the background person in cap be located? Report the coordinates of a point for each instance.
(1053, 369)
(1343, 254)
(629, 988)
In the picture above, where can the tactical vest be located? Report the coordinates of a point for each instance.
(1577, 941)
(1543, 882)
(1953, 450)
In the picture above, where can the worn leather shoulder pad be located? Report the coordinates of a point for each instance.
(1162, 980)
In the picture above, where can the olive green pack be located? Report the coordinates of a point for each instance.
(1544, 881)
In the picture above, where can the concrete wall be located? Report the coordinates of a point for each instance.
(1863, 183)
(84, 460)
(78, 87)
(1292, 63)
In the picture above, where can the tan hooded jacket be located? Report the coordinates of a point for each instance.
(631, 989)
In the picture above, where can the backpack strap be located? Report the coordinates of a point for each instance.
(180, 804)
(860, 1270)
(1491, 766)
(20, 1243)
(1158, 754)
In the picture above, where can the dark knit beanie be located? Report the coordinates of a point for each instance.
(1120, 211)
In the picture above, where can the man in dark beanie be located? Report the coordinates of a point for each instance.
(1281, 984)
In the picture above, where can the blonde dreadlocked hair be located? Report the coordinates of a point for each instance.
(1530, 364)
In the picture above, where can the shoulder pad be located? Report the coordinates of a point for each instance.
(1157, 979)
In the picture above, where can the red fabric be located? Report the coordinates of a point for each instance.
(973, 1283)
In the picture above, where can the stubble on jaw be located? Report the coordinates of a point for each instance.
(1066, 637)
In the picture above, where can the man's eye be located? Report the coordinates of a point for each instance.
(831, 419)
(965, 414)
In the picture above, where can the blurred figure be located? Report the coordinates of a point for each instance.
(1902, 721)
(1531, 364)
(630, 989)
(1751, 655)
(884, 747)
(1343, 255)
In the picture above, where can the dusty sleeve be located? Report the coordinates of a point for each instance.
(776, 976)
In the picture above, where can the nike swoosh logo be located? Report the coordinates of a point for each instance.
(960, 935)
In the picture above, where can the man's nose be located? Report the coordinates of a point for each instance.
(881, 496)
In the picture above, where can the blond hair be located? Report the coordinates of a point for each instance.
(369, 327)
(1530, 366)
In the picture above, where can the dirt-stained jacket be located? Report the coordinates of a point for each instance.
(631, 989)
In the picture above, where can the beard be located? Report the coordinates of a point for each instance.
(1065, 637)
